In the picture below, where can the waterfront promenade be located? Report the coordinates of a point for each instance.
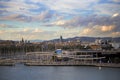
(58, 63)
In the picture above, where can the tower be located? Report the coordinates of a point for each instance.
(22, 41)
(61, 39)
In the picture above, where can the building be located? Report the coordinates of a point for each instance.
(115, 45)
(61, 39)
(95, 47)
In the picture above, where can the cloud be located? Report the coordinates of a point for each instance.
(67, 6)
(2, 32)
(116, 34)
(89, 21)
(43, 17)
(101, 31)
(45, 10)
(37, 30)
(6, 26)
(68, 32)
(2, 12)
(3, 25)
(107, 28)
(18, 6)
(98, 31)
(16, 17)
(84, 17)
(30, 33)
(115, 0)
(81, 7)
(86, 31)
(115, 15)
(59, 23)
(107, 8)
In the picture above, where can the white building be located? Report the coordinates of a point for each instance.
(115, 45)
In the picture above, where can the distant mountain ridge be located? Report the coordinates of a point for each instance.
(37, 40)
(83, 39)
(88, 39)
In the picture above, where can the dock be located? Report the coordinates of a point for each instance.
(7, 62)
(72, 63)
(67, 58)
(58, 63)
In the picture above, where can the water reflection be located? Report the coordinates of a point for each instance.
(21, 72)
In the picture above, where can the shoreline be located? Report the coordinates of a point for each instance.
(113, 65)
(87, 64)
(9, 62)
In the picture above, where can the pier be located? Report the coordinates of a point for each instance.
(67, 58)
(72, 58)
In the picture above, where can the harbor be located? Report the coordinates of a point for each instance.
(59, 40)
(63, 58)
(70, 58)
(103, 53)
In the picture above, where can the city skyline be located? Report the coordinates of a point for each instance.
(48, 19)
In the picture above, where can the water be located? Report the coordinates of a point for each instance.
(21, 72)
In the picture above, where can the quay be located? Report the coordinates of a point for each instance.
(71, 58)
(51, 63)
(64, 58)
(7, 62)
(111, 65)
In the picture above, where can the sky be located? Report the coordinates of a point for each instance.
(48, 19)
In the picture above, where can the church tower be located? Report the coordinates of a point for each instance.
(61, 39)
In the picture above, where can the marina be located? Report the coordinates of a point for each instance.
(60, 53)
(62, 58)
